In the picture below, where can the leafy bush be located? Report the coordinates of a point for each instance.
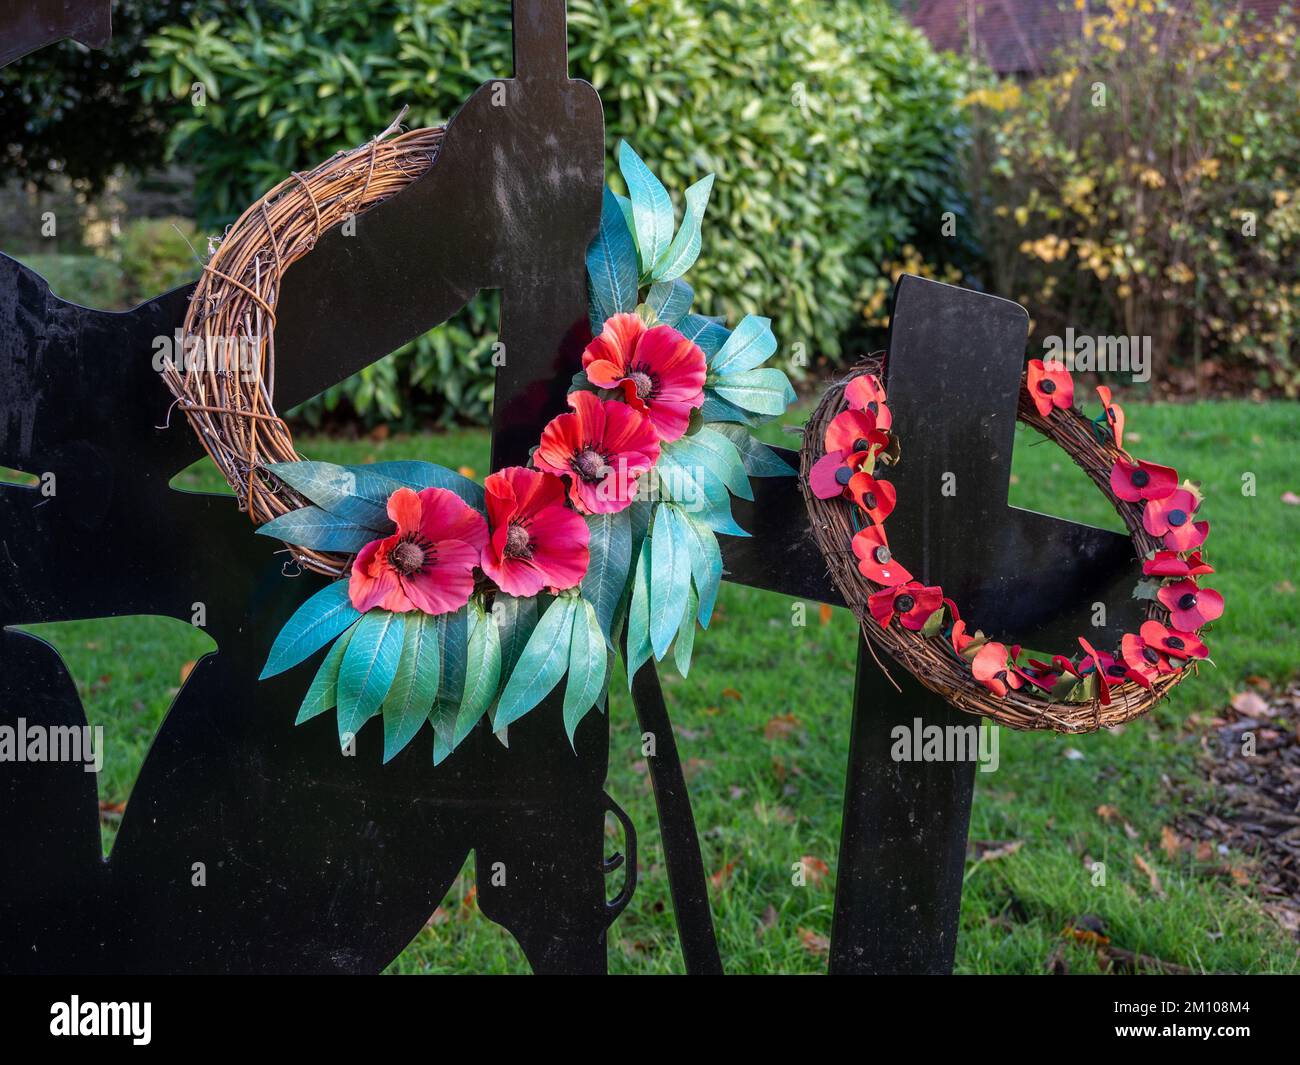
(829, 126)
(87, 280)
(1149, 189)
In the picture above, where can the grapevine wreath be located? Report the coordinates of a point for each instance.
(850, 443)
(452, 601)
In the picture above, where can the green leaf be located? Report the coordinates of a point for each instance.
(686, 633)
(719, 455)
(705, 332)
(638, 617)
(324, 691)
(452, 640)
(418, 475)
(542, 664)
(750, 344)
(934, 623)
(357, 493)
(319, 530)
(652, 209)
(670, 300)
(765, 391)
(588, 660)
(610, 550)
(482, 672)
(612, 267)
(406, 707)
(681, 254)
(368, 668)
(759, 459)
(706, 567)
(312, 626)
(516, 619)
(670, 563)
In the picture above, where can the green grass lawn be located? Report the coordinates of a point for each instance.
(767, 798)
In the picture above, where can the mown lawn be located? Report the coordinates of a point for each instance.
(766, 798)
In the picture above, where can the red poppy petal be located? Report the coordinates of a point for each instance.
(603, 373)
(445, 516)
(823, 479)
(404, 510)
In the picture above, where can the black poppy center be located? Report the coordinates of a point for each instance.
(589, 464)
(517, 542)
(407, 557)
(904, 603)
(1150, 655)
(873, 406)
(1177, 518)
(869, 500)
(1047, 387)
(1115, 671)
(882, 556)
(1140, 478)
(1187, 601)
(843, 475)
(1000, 675)
(860, 445)
(1175, 642)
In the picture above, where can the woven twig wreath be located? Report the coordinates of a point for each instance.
(225, 382)
(1099, 690)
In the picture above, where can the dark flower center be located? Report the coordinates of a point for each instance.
(882, 556)
(870, 500)
(1175, 642)
(1001, 675)
(843, 475)
(518, 542)
(1150, 655)
(1115, 671)
(904, 603)
(1140, 478)
(1186, 601)
(1047, 387)
(409, 556)
(645, 384)
(1177, 518)
(873, 406)
(590, 465)
(860, 445)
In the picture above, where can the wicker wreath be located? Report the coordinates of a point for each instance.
(1063, 695)
(224, 380)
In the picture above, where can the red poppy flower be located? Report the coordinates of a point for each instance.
(851, 431)
(1104, 665)
(602, 447)
(660, 371)
(1039, 674)
(1050, 385)
(1144, 663)
(1114, 414)
(1171, 518)
(875, 562)
(877, 498)
(912, 602)
(537, 542)
(1174, 643)
(992, 668)
(866, 393)
(1190, 607)
(1170, 564)
(829, 476)
(1145, 480)
(428, 564)
(960, 638)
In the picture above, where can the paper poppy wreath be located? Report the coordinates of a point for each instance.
(850, 443)
(457, 602)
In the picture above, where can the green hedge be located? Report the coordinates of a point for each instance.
(830, 126)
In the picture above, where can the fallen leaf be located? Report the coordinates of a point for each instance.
(824, 613)
(1152, 876)
(720, 878)
(814, 942)
(780, 726)
(992, 850)
(1107, 812)
(731, 693)
(1170, 842)
(814, 869)
(768, 920)
(1250, 704)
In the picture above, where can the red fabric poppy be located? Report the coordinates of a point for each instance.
(1049, 386)
(1104, 665)
(1114, 414)
(1039, 674)
(660, 371)
(959, 638)
(1171, 517)
(536, 541)
(866, 393)
(1174, 643)
(1190, 607)
(1143, 480)
(913, 603)
(875, 561)
(852, 431)
(428, 564)
(830, 474)
(1171, 564)
(877, 498)
(1144, 663)
(992, 668)
(602, 447)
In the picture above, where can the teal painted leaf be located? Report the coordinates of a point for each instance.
(670, 562)
(516, 619)
(368, 668)
(612, 267)
(610, 548)
(324, 691)
(718, 411)
(542, 664)
(625, 207)
(670, 300)
(588, 659)
(452, 640)
(638, 615)
(750, 344)
(765, 391)
(319, 530)
(418, 475)
(681, 254)
(406, 707)
(699, 491)
(482, 672)
(719, 455)
(357, 493)
(708, 334)
(706, 567)
(759, 459)
(312, 626)
(686, 633)
(652, 209)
